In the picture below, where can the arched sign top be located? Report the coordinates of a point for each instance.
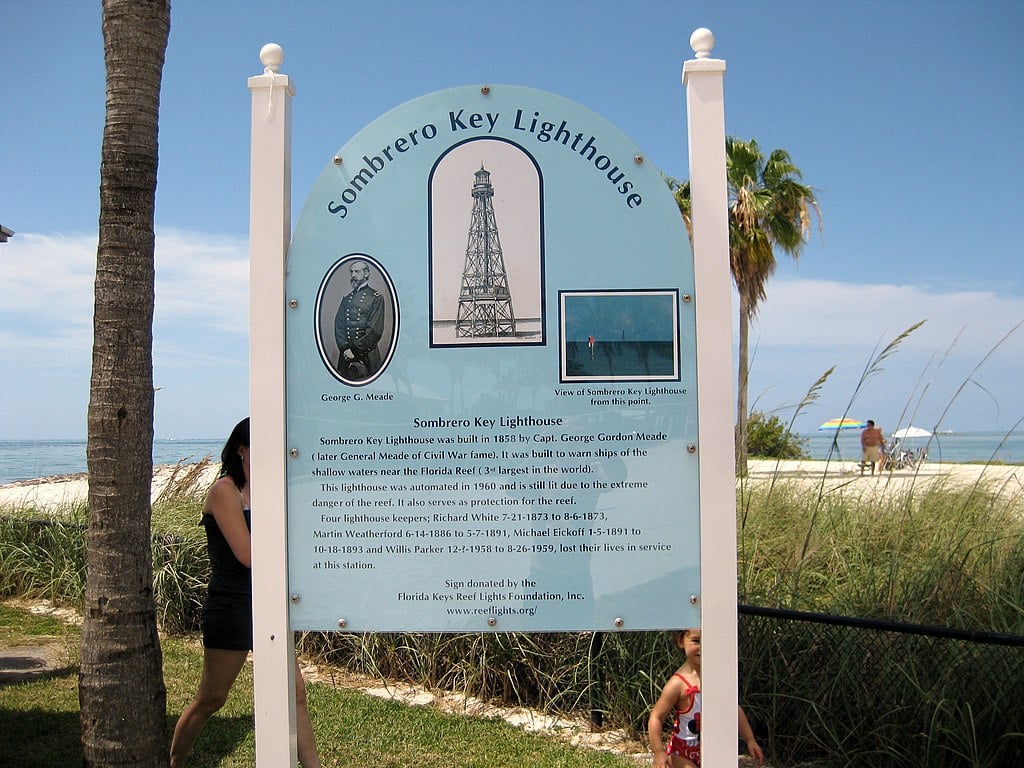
(491, 379)
(551, 127)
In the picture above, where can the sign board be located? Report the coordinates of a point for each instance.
(491, 409)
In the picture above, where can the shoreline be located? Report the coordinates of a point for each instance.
(836, 475)
(56, 491)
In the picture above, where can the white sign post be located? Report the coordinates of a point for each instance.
(703, 78)
(270, 215)
(269, 232)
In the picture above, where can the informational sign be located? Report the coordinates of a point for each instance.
(491, 383)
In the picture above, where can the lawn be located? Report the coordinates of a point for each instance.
(39, 719)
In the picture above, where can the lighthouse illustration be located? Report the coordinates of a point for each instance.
(485, 303)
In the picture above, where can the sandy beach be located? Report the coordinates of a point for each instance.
(69, 490)
(836, 476)
(846, 476)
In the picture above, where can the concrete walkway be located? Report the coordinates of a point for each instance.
(23, 663)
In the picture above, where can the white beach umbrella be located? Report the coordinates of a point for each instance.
(903, 434)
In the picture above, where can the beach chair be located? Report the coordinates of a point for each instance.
(897, 459)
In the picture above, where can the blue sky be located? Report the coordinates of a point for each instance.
(905, 117)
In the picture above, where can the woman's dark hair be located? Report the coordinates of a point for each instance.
(230, 461)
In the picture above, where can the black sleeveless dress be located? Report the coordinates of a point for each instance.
(227, 610)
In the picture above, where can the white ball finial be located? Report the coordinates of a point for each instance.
(702, 41)
(271, 55)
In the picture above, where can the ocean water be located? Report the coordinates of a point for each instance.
(30, 459)
(610, 359)
(952, 447)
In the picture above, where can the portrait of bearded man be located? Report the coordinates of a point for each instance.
(359, 325)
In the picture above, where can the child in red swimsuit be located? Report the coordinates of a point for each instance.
(681, 695)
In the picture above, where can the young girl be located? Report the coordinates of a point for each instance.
(681, 695)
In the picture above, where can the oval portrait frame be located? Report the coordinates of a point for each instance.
(328, 299)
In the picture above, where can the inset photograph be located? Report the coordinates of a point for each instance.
(356, 319)
(627, 335)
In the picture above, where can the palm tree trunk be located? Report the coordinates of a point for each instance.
(121, 690)
(741, 388)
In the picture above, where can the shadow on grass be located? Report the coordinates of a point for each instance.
(219, 740)
(17, 668)
(43, 739)
(40, 738)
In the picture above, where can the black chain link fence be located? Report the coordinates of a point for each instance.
(834, 691)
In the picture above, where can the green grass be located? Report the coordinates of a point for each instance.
(39, 720)
(21, 627)
(940, 555)
(935, 555)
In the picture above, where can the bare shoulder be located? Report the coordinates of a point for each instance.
(677, 681)
(223, 496)
(687, 678)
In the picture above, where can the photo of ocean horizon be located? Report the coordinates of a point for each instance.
(620, 360)
(33, 459)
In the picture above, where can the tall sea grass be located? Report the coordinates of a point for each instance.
(42, 550)
(941, 554)
(935, 554)
(42, 553)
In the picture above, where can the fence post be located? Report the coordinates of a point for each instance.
(269, 233)
(703, 79)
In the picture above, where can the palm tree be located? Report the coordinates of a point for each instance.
(769, 208)
(121, 690)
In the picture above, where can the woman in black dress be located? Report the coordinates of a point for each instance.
(227, 610)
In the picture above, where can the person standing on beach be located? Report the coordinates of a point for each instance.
(872, 447)
(227, 610)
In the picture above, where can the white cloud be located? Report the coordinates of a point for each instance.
(46, 281)
(46, 288)
(204, 279)
(200, 334)
(806, 326)
(814, 313)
